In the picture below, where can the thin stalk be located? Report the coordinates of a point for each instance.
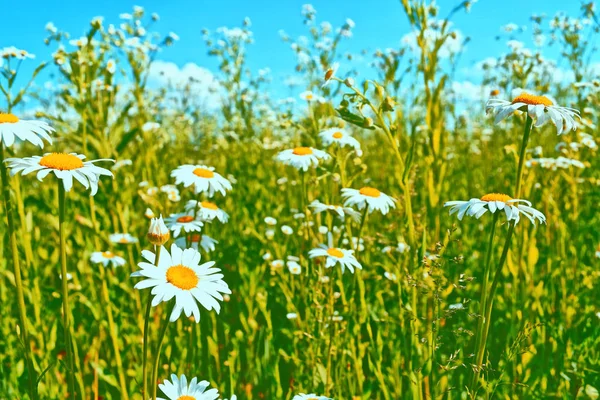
(157, 355)
(482, 302)
(528, 124)
(31, 374)
(360, 229)
(145, 342)
(65, 288)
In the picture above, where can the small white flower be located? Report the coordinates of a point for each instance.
(335, 255)
(368, 197)
(540, 108)
(178, 389)
(339, 136)
(270, 233)
(287, 230)
(204, 179)
(185, 222)
(391, 276)
(31, 131)
(302, 157)
(205, 242)
(270, 221)
(150, 126)
(291, 315)
(149, 213)
(294, 267)
(311, 396)
(330, 73)
(107, 258)
(276, 264)
(206, 211)
(64, 166)
(340, 211)
(513, 208)
(122, 238)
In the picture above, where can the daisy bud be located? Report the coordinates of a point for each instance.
(349, 82)
(368, 122)
(158, 234)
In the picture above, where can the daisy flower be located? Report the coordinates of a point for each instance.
(205, 242)
(26, 130)
(180, 275)
(311, 396)
(302, 157)
(65, 167)
(178, 389)
(122, 238)
(204, 179)
(308, 96)
(513, 208)
(185, 221)
(540, 108)
(340, 211)
(336, 256)
(330, 73)
(294, 267)
(158, 233)
(370, 197)
(107, 258)
(341, 137)
(206, 211)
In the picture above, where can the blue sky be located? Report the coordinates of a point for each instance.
(379, 24)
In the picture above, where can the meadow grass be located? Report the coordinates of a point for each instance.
(482, 307)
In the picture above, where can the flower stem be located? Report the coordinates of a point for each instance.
(157, 355)
(31, 374)
(65, 288)
(528, 125)
(479, 345)
(145, 342)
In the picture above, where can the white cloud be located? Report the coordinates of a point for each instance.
(470, 92)
(203, 82)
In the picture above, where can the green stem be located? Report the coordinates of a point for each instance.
(528, 124)
(145, 342)
(479, 349)
(65, 288)
(157, 355)
(363, 221)
(31, 374)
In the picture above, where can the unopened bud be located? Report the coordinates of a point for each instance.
(349, 82)
(158, 234)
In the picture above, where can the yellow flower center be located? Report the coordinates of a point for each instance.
(107, 254)
(185, 219)
(532, 100)
(338, 135)
(186, 397)
(61, 161)
(309, 96)
(123, 240)
(209, 205)
(333, 252)
(196, 238)
(496, 197)
(8, 118)
(369, 191)
(204, 173)
(302, 151)
(182, 277)
(495, 92)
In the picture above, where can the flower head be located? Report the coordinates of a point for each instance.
(204, 179)
(330, 73)
(338, 210)
(180, 275)
(65, 167)
(122, 238)
(302, 157)
(107, 258)
(540, 108)
(178, 389)
(158, 234)
(368, 197)
(206, 211)
(185, 222)
(513, 208)
(341, 137)
(26, 130)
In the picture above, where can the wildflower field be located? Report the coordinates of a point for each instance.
(373, 236)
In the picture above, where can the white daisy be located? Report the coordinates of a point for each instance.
(340, 211)
(270, 221)
(370, 197)
(122, 238)
(302, 157)
(513, 208)
(330, 73)
(294, 267)
(26, 130)
(311, 396)
(158, 233)
(205, 242)
(204, 179)
(185, 221)
(540, 108)
(179, 275)
(336, 256)
(65, 167)
(178, 389)
(107, 258)
(206, 211)
(341, 137)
